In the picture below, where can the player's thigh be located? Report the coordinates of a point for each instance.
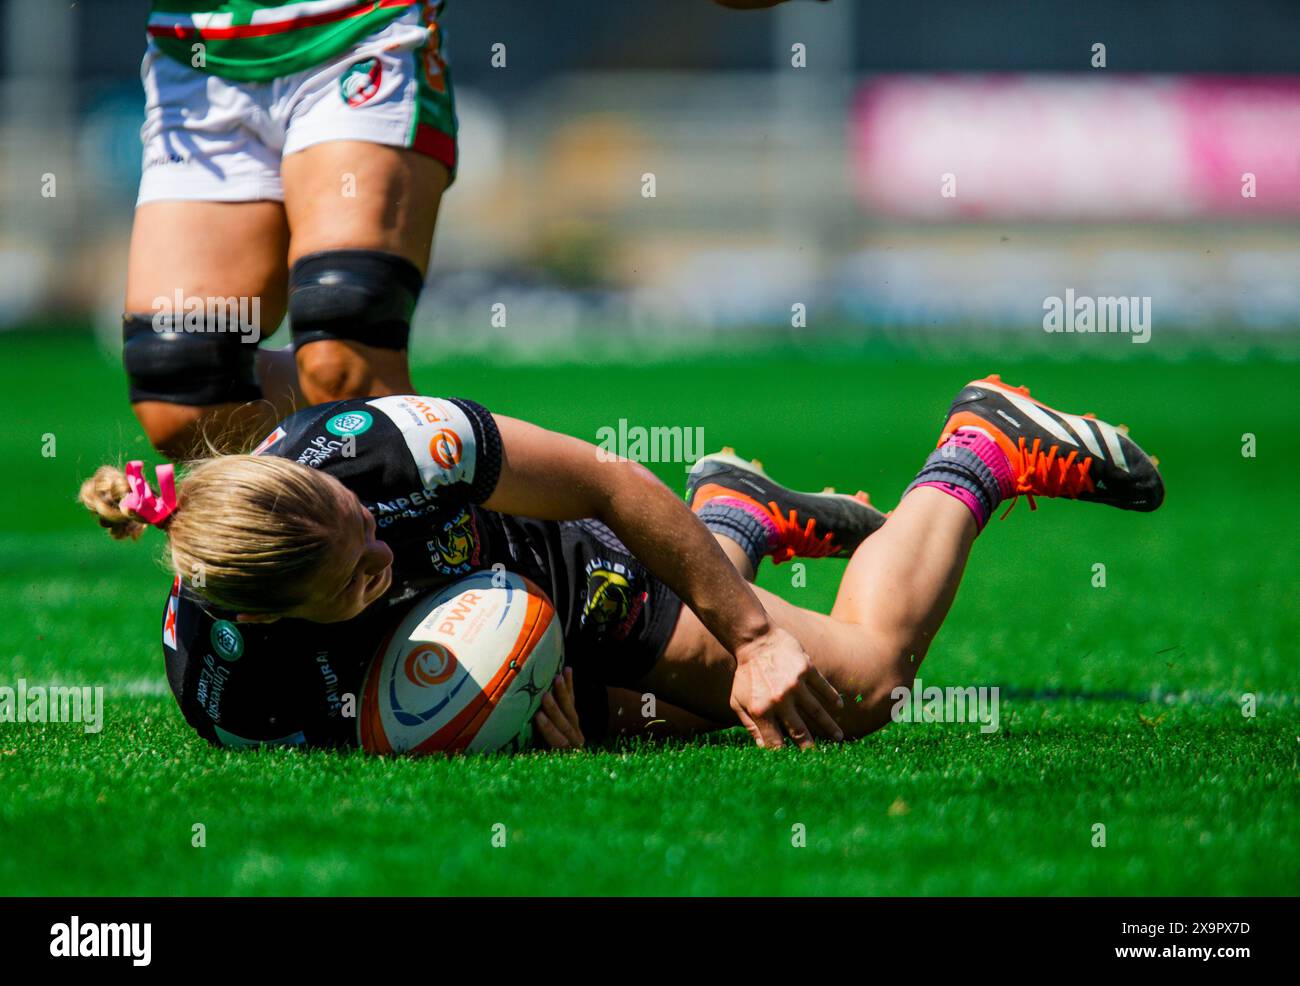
(209, 250)
(630, 715)
(696, 671)
(370, 143)
(357, 195)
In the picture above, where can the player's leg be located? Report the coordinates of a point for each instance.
(208, 243)
(631, 716)
(369, 151)
(894, 595)
(997, 443)
(754, 517)
(362, 217)
(193, 380)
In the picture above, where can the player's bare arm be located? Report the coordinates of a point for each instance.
(556, 477)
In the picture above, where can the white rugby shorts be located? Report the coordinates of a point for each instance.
(211, 139)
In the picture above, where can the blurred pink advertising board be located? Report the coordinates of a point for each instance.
(1074, 147)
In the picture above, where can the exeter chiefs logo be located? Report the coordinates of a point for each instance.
(455, 549)
(613, 601)
(361, 81)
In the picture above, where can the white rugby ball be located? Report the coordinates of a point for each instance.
(465, 671)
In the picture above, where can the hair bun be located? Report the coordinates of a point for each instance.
(102, 494)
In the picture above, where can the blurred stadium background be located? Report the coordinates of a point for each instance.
(776, 186)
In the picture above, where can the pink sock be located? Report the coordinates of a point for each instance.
(990, 453)
(755, 511)
(971, 468)
(968, 498)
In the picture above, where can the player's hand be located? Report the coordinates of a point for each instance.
(557, 719)
(777, 689)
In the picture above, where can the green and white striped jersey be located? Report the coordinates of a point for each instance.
(255, 41)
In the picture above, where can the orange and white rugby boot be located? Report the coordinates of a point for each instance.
(1055, 454)
(798, 525)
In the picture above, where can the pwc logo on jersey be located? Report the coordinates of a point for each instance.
(360, 83)
(438, 434)
(431, 410)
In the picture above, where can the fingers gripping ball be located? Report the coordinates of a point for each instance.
(464, 672)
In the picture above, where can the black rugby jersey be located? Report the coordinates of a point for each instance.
(421, 466)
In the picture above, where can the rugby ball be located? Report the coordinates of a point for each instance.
(465, 670)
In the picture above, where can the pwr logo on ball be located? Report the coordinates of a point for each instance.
(361, 81)
(429, 665)
(425, 684)
(464, 671)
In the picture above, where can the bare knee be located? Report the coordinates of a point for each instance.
(874, 695)
(330, 370)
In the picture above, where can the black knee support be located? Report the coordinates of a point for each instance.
(364, 296)
(194, 368)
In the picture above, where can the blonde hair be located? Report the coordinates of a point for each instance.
(254, 528)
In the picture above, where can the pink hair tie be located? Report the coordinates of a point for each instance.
(152, 508)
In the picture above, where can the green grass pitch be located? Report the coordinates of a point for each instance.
(1122, 705)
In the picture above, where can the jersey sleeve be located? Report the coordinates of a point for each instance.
(453, 445)
(399, 447)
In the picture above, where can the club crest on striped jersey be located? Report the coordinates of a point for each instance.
(360, 83)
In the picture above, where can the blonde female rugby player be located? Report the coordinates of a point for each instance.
(295, 154)
(351, 507)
